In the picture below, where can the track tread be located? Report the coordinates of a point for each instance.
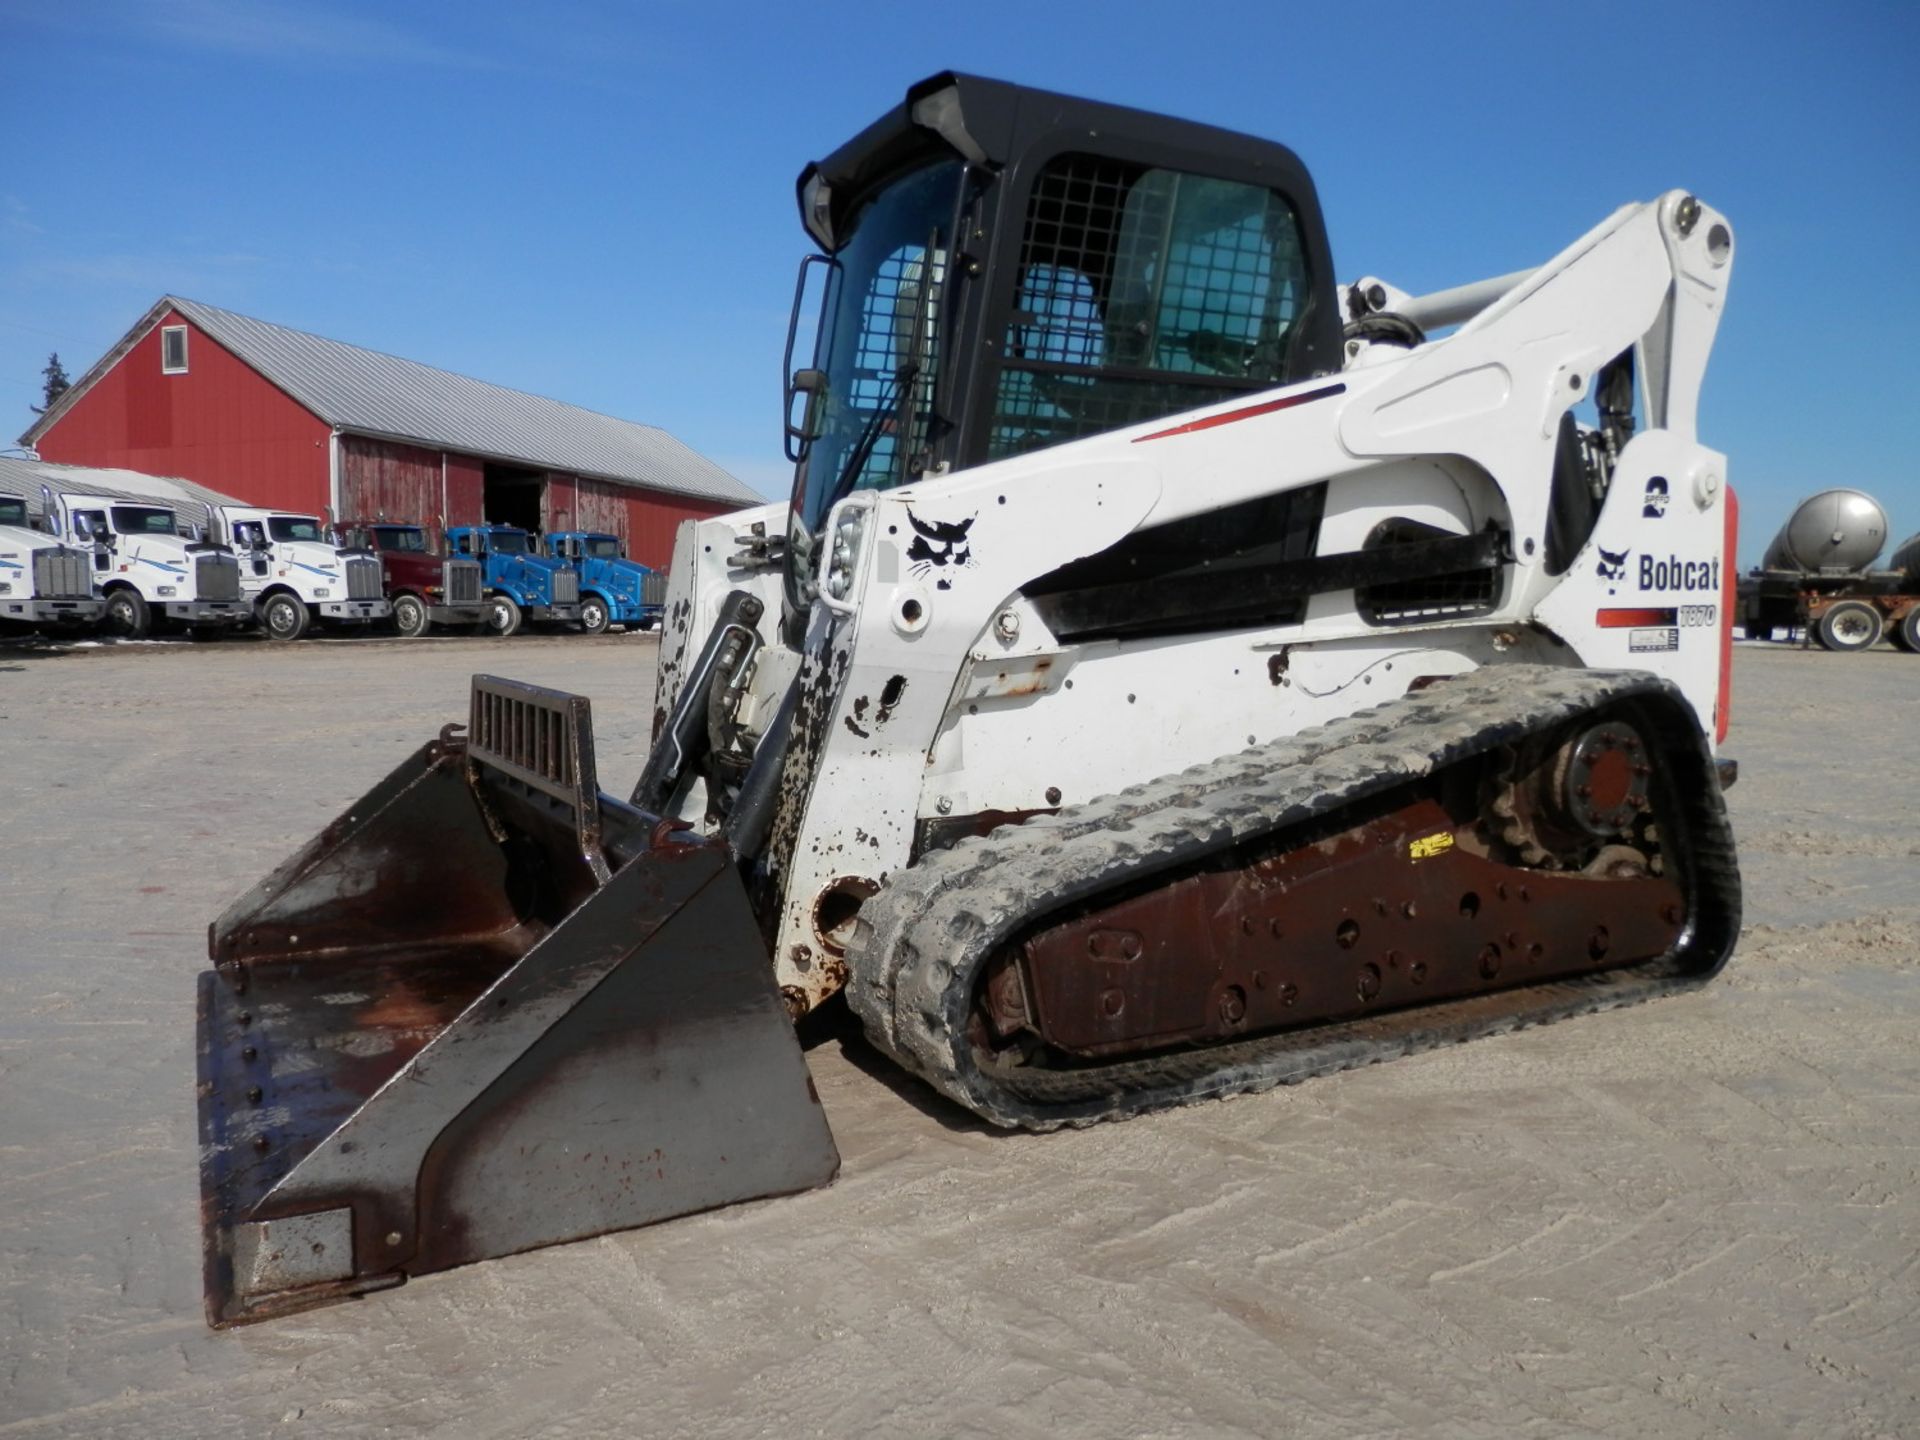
(921, 942)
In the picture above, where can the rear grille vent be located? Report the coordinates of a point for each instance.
(217, 577)
(566, 588)
(461, 581)
(363, 579)
(61, 574)
(1455, 596)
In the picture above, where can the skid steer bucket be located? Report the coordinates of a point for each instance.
(487, 1009)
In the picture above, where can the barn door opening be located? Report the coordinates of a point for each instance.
(513, 496)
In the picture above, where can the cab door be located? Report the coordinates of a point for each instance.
(250, 545)
(85, 525)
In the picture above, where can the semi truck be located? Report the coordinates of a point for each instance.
(613, 589)
(295, 576)
(423, 586)
(521, 583)
(43, 583)
(1818, 578)
(149, 576)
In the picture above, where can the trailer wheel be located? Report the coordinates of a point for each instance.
(503, 615)
(1850, 625)
(283, 617)
(127, 614)
(1907, 633)
(410, 616)
(593, 615)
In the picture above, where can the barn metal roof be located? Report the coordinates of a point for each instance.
(186, 499)
(371, 393)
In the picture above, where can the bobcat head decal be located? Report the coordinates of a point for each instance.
(939, 545)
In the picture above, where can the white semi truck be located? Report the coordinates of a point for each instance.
(295, 576)
(43, 584)
(146, 572)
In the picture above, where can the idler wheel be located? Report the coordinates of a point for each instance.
(1604, 781)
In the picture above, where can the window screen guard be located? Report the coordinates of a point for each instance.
(1142, 292)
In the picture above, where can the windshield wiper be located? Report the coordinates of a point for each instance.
(887, 409)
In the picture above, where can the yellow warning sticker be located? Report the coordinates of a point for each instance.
(1428, 846)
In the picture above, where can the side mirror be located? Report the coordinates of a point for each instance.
(801, 435)
(812, 385)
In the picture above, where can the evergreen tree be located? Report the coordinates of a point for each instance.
(55, 385)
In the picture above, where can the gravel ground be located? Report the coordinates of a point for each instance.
(1694, 1218)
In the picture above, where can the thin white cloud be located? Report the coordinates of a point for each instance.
(263, 30)
(13, 217)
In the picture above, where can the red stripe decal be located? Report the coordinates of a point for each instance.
(1626, 619)
(1267, 407)
(1723, 704)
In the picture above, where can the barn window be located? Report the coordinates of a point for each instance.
(173, 350)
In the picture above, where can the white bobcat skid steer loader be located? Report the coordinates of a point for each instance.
(1175, 675)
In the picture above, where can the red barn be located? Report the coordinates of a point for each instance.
(283, 418)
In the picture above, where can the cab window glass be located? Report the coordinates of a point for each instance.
(401, 541)
(141, 520)
(1142, 292)
(293, 527)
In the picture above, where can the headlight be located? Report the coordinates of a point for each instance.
(6, 587)
(167, 591)
(843, 550)
(436, 589)
(321, 593)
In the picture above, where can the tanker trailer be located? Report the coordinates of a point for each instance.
(1818, 577)
(1905, 563)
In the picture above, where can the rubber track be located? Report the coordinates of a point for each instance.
(921, 943)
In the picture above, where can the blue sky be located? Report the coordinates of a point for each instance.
(595, 201)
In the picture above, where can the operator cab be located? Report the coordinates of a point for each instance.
(1113, 267)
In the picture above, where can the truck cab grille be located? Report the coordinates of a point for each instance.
(216, 577)
(461, 582)
(61, 574)
(566, 588)
(363, 579)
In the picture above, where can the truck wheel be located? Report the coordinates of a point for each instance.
(593, 615)
(128, 615)
(1907, 633)
(410, 616)
(1850, 625)
(503, 615)
(283, 618)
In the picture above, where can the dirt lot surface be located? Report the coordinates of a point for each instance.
(1694, 1218)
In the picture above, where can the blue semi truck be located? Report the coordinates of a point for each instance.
(519, 583)
(613, 589)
